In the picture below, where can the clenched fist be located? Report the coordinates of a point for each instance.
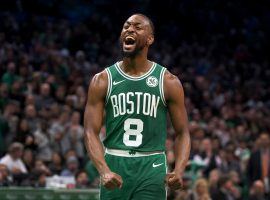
(111, 180)
(174, 180)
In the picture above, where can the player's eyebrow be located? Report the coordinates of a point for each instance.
(133, 23)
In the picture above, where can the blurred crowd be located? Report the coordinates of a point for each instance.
(46, 63)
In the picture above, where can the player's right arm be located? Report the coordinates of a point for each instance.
(93, 119)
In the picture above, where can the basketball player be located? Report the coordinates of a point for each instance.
(136, 94)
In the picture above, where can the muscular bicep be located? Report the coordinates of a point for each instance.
(175, 101)
(94, 109)
(93, 116)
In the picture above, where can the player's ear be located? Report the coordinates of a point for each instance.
(150, 40)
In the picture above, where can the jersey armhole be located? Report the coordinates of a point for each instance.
(161, 86)
(109, 88)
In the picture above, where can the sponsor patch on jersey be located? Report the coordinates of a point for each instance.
(152, 81)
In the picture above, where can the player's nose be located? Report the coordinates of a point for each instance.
(130, 29)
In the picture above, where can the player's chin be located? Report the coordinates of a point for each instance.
(128, 53)
(129, 48)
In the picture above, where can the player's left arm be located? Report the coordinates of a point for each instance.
(174, 95)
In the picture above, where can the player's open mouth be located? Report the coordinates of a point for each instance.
(129, 41)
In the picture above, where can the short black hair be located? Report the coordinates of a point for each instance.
(149, 20)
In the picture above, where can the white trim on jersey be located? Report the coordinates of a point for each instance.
(126, 153)
(133, 78)
(161, 86)
(166, 187)
(109, 89)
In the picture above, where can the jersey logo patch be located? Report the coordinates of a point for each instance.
(115, 83)
(152, 81)
(157, 165)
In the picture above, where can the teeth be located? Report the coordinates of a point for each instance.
(130, 38)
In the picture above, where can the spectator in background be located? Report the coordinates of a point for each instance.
(82, 180)
(54, 111)
(41, 182)
(60, 94)
(13, 159)
(44, 99)
(30, 143)
(29, 100)
(58, 132)
(81, 62)
(42, 139)
(200, 191)
(257, 191)
(16, 92)
(227, 160)
(204, 156)
(4, 129)
(31, 117)
(10, 76)
(23, 131)
(5, 179)
(75, 135)
(4, 95)
(226, 190)
(11, 115)
(72, 166)
(37, 175)
(14, 163)
(80, 98)
(243, 153)
(195, 147)
(259, 163)
(214, 176)
(41, 168)
(56, 164)
(28, 159)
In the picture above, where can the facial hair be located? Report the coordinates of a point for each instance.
(131, 54)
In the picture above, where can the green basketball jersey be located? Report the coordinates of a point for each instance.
(135, 110)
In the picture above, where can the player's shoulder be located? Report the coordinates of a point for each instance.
(102, 76)
(170, 78)
(172, 86)
(171, 83)
(98, 85)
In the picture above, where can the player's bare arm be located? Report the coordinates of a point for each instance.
(93, 119)
(174, 95)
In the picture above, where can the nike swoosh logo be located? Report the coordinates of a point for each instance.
(115, 83)
(156, 165)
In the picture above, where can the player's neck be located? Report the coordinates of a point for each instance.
(135, 65)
